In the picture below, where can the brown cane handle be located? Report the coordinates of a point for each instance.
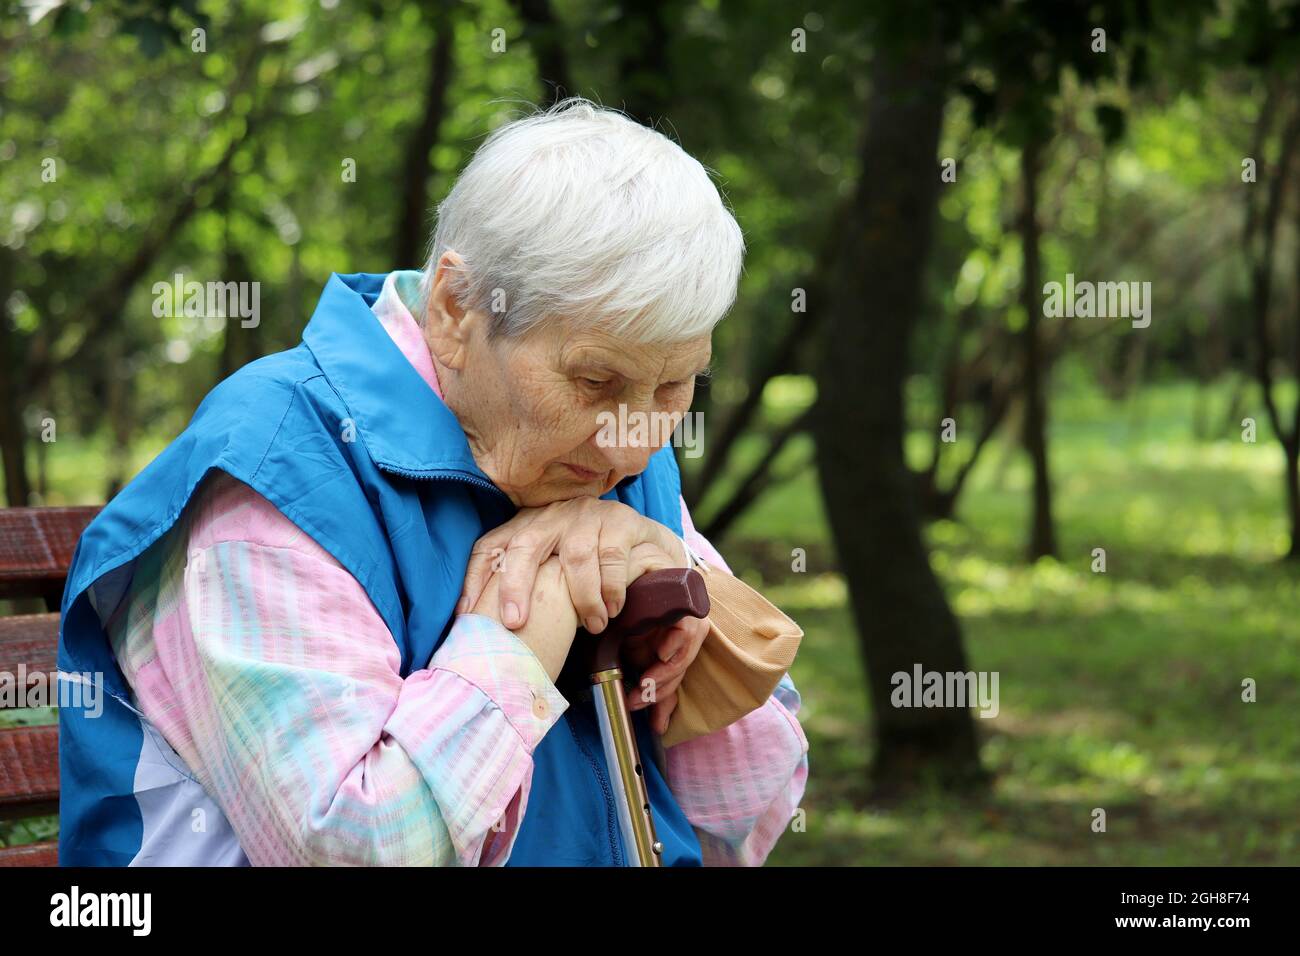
(656, 599)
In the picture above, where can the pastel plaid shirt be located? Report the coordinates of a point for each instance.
(265, 666)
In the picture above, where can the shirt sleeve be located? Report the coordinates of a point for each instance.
(741, 785)
(267, 668)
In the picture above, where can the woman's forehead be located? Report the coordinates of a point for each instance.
(668, 360)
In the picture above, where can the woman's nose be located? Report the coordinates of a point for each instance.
(632, 435)
(627, 457)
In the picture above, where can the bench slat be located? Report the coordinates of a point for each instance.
(31, 640)
(38, 854)
(36, 547)
(29, 771)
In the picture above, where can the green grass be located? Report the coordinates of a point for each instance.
(1119, 691)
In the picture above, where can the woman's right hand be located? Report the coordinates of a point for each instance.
(594, 538)
(552, 623)
(550, 628)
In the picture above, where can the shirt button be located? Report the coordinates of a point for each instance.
(540, 708)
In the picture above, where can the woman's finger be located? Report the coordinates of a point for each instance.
(602, 545)
(488, 556)
(667, 644)
(662, 713)
(625, 555)
(661, 709)
(582, 573)
(681, 643)
(673, 643)
(483, 562)
(524, 555)
(686, 636)
(649, 557)
(614, 577)
(662, 679)
(630, 545)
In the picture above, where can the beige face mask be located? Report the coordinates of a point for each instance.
(749, 647)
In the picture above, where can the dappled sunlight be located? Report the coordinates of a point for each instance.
(1015, 722)
(818, 592)
(1119, 690)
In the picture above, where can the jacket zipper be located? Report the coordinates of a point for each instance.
(611, 815)
(450, 475)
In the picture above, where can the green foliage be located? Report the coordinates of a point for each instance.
(298, 88)
(1119, 690)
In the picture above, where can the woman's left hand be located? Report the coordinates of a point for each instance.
(594, 538)
(662, 656)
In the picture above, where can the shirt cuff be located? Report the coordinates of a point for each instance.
(492, 658)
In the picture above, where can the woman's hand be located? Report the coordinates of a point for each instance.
(593, 538)
(662, 656)
(550, 632)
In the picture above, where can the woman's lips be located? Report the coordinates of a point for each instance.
(586, 474)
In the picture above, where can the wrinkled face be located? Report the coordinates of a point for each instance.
(561, 413)
(551, 405)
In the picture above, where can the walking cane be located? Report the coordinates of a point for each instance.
(656, 599)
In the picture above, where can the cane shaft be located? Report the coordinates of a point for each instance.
(657, 599)
(624, 760)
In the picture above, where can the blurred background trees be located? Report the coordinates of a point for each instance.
(901, 446)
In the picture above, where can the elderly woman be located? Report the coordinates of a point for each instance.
(332, 616)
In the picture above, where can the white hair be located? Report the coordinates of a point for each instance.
(579, 213)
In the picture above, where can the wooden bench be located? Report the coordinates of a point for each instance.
(36, 547)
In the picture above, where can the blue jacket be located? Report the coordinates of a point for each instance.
(343, 436)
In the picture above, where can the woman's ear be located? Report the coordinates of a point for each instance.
(448, 325)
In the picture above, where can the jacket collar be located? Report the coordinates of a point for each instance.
(405, 425)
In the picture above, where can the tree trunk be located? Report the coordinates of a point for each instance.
(239, 344)
(872, 308)
(1292, 451)
(412, 227)
(546, 36)
(1042, 535)
(644, 77)
(13, 445)
(1260, 244)
(1291, 441)
(119, 403)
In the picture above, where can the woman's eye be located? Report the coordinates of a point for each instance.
(594, 382)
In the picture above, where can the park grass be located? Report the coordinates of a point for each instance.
(1120, 691)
